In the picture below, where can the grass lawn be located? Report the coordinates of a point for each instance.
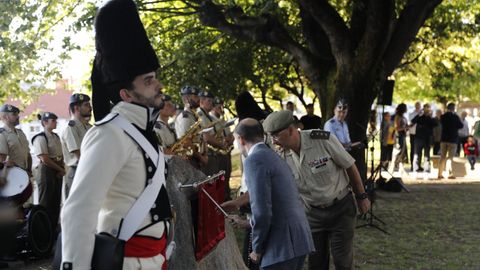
(435, 226)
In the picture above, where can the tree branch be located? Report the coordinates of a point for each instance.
(334, 27)
(317, 40)
(373, 43)
(265, 29)
(413, 60)
(411, 20)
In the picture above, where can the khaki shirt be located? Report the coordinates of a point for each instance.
(207, 120)
(165, 134)
(72, 138)
(14, 144)
(109, 179)
(184, 121)
(320, 169)
(51, 146)
(220, 126)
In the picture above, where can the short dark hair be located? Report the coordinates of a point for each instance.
(309, 105)
(451, 106)
(250, 132)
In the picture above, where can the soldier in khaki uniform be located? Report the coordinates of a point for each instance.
(14, 150)
(187, 118)
(206, 105)
(166, 134)
(72, 136)
(325, 174)
(225, 134)
(49, 172)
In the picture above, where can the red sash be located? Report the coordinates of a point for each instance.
(146, 247)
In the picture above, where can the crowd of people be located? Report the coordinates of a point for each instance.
(446, 133)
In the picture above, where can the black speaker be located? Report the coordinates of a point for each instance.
(386, 93)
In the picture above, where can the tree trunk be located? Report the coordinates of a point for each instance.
(225, 255)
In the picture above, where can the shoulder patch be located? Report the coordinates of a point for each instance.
(2, 130)
(106, 119)
(71, 123)
(158, 125)
(185, 114)
(40, 134)
(318, 134)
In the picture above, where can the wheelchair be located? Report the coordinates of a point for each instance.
(27, 236)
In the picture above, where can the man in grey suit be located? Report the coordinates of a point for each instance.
(281, 236)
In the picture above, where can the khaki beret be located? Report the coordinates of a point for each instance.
(278, 121)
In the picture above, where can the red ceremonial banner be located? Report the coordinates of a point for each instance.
(210, 222)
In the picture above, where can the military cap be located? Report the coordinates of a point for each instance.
(46, 115)
(278, 121)
(167, 98)
(342, 104)
(217, 101)
(189, 90)
(78, 98)
(206, 94)
(9, 108)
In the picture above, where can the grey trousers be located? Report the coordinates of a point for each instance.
(333, 229)
(292, 264)
(69, 179)
(49, 191)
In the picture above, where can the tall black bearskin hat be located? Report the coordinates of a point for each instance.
(247, 107)
(123, 52)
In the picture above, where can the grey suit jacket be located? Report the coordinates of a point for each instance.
(280, 229)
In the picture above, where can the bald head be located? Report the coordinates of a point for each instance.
(250, 130)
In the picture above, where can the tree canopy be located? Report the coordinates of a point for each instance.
(321, 49)
(34, 40)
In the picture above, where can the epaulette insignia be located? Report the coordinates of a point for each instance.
(71, 123)
(106, 119)
(318, 134)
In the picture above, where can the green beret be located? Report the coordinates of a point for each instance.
(278, 121)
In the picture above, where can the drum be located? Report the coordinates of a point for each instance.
(18, 187)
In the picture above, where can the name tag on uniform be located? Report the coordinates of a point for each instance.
(318, 165)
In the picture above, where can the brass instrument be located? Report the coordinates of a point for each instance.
(219, 135)
(179, 147)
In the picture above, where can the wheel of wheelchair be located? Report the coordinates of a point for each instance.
(39, 232)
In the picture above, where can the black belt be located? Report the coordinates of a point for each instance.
(342, 195)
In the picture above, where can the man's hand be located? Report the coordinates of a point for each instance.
(238, 222)
(363, 205)
(230, 206)
(255, 257)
